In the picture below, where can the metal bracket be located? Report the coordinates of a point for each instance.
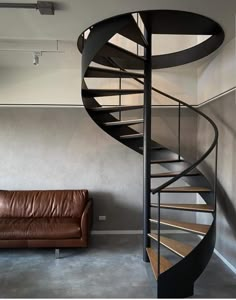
(44, 7)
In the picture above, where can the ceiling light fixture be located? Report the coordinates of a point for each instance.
(44, 7)
(36, 56)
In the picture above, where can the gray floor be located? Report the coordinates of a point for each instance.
(111, 268)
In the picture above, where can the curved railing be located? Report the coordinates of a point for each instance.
(178, 280)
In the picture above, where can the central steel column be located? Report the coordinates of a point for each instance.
(147, 143)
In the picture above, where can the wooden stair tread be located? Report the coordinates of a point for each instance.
(188, 207)
(164, 263)
(172, 174)
(186, 189)
(191, 227)
(116, 108)
(165, 161)
(109, 92)
(132, 136)
(127, 122)
(95, 72)
(177, 247)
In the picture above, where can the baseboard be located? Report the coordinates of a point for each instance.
(131, 232)
(225, 261)
(111, 232)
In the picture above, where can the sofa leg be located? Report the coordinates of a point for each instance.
(57, 253)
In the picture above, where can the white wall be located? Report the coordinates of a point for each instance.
(39, 86)
(57, 79)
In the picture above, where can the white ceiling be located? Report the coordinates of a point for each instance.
(73, 16)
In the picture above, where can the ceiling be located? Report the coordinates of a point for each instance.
(73, 16)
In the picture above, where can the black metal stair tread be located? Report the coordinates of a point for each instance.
(172, 174)
(126, 122)
(131, 136)
(190, 227)
(177, 247)
(186, 189)
(109, 92)
(186, 207)
(164, 263)
(116, 108)
(96, 72)
(155, 148)
(114, 51)
(162, 161)
(132, 32)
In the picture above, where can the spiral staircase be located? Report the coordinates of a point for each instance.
(101, 58)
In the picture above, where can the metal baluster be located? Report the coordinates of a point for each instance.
(158, 233)
(147, 145)
(179, 130)
(138, 26)
(120, 98)
(215, 177)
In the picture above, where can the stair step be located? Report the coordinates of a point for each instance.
(177, 247)
(116, 108)
(190, 227)
(132, 32)
(188, 207)
(186, 189)
(165, 161)
(156, 148)
(111, 50)
(121, 123)
(95, 72)
(164, 263)
(109, 92)
(172, 174)
(131, 136)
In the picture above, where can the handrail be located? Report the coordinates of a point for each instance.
(193, 166)
(205, 155)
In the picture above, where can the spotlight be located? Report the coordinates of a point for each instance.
(36, 58)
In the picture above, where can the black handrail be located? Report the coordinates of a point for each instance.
(205, 155)
(193, 166)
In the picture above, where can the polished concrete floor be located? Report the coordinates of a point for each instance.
(111, 268)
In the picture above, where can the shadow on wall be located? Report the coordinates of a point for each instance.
(222, 112)
(224, 202)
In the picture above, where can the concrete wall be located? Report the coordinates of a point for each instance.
(223, 112)
(217, 74)
(62, 148)
(45, 148)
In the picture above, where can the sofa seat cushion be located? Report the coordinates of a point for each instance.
(39, 228)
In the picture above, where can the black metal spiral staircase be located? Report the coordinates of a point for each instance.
(173, 279)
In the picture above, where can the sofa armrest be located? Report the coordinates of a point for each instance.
(86, 220)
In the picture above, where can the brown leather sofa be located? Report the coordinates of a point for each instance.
(44, 218)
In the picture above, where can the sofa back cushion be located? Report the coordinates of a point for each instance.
(61, 203)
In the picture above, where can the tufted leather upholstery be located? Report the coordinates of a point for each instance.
(51, 217)
(28, 204)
